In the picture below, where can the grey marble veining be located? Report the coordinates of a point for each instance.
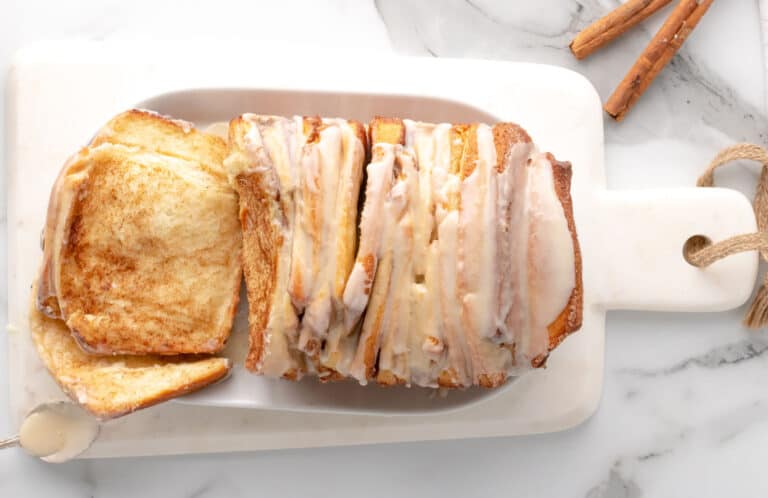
(685, 406)
(717, 357)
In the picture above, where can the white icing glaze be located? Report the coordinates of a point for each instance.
(458, 349)
(421, 143)
(551, 276)
(517, 318)
(472, 266)
(340, 345)
(360, 282)
(479, 288)
(43, 433)
(57, 432)
(373, 329)
(426, 343)
(323, 182)
(400, 209)
(445, 187)
(511, 235)
(306, 235)
(477, 256)
(270, 141)
(317, 184)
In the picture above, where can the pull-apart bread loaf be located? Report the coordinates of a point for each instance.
(298, 180)
(142, 245)
(467, 266)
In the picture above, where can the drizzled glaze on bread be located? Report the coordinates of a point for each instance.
(298, 180)
(491, 259)
(467, 268)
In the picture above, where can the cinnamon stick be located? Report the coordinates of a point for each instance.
(614, 24)
(656, 55)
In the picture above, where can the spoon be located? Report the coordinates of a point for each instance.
(55, 432)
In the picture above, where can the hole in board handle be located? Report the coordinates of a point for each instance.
(694, 244)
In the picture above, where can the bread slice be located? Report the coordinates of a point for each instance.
(377, 267)
(298, 181)
(260, 166)
(479, 269)
(142, 242)
(330, 168)
(111, 386)
(570, 318)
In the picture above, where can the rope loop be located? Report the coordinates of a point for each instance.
(703, 255)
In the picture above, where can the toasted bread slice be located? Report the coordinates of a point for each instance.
(163, 135)
(377, 268)
(111, 386)
(483, 271)
(569, 319)
(298, 180)
(379, 180)
(426, 349)
(331, 171)
(261, 168)
(142, 241)
(339, 342)
(394, 353)
(531, 267)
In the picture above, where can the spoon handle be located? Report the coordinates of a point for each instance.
(9, 443)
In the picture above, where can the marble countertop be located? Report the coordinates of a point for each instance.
(684, 410)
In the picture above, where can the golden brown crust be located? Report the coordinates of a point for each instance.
(326, 374)
(458, 140)
(113, 386)
(382, 130)
(262, 217)
(448, 379)
(373, 323)
(386, 131)
(140, 233)
(311, 127)
(389, 379)
(47, 301)
(465, 148)
(348, 194)
(171, 137)
(359, 130)
(492, 380)
(292, 374)
(570, 318)
(259, 260)
(505, 135)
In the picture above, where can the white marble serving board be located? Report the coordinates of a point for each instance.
(631, 241)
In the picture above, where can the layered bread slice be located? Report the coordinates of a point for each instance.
(142, 241)
(476, 271)
(385, 252)
(298, 181)
(111, 386)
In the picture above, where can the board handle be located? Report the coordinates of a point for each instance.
(633, 250)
